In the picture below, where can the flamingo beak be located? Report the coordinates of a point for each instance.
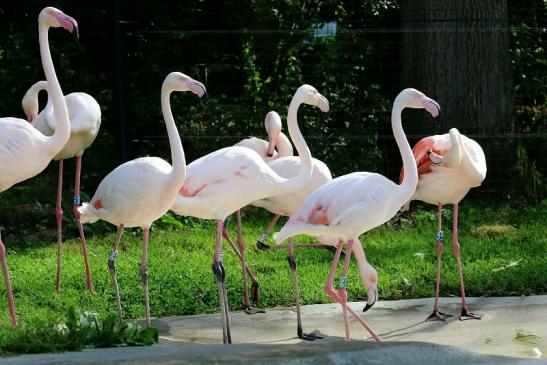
(431, 106)
(271, 148)
(368, 306)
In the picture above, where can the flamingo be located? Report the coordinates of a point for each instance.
(287, 166)
(25, 151)
(278, 145)
(226, 180)
(352, 204)
(85, 119)
(449, 165)
(140, 191)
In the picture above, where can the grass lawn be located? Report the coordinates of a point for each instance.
(504, 250)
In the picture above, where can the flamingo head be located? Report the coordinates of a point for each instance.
(370, 280)
(177, 81)
(412, 98)
(272, 123)
(307, 94)
(55, 18)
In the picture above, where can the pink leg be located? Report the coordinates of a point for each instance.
(331, 293)
(7, 281)
(59, 218)
(438, 315)
(294, 278)
(261, 243)
(342, 294)
(144, 273)
(255, 287)
(241, 243)
(75, 205)
(456, 245)
(112, 269)
(220, 277)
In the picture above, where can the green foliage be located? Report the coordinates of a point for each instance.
(80, 330)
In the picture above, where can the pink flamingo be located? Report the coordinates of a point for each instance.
(85, 119)
(140, 191)
(352, 204)
(226, 180)
(25, 151)
(278, 145)
(449, 165)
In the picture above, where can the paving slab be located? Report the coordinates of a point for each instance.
(270, 338)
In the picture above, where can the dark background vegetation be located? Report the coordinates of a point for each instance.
(486, 65)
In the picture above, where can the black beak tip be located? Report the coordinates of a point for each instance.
(368, 306)
(76, 33)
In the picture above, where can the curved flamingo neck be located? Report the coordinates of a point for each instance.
(410, 179)
(304, 153)
(178, 159)
(284, 146)
(62, 127)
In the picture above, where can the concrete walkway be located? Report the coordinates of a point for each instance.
(271, 338)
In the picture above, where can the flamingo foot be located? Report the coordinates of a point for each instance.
(252, 310)
(261, 242)
(309, 336)
(255, 292)
(466, 314)
(437, 315)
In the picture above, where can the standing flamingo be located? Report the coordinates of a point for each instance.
(25, 151)
(85, 119)
(449, 165)
(352, 204)
(277, 145)
(226, 180)
(140, 191)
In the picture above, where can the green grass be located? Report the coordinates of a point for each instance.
(511, 260)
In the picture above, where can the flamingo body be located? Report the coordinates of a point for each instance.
(19, 142)
(439, 183)
(133, 194)
(224, 181)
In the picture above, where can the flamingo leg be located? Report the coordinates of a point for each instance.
(294, 278)
(112, 269)
(75, 205)
(220, 277)
(144, 273)
(437, 315)
(342, 293)
(241, 244)
(255, 287)
(261, 242)
(465, 314)
(59, 218)
(331, 293)
(7, 281)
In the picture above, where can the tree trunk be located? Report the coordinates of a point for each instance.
(457, 52)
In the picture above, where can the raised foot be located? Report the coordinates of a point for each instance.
(466, 314)
(262, 246)
(438, 316)
(309, 336)
(252, 310)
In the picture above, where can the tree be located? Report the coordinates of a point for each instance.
(457, 51)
